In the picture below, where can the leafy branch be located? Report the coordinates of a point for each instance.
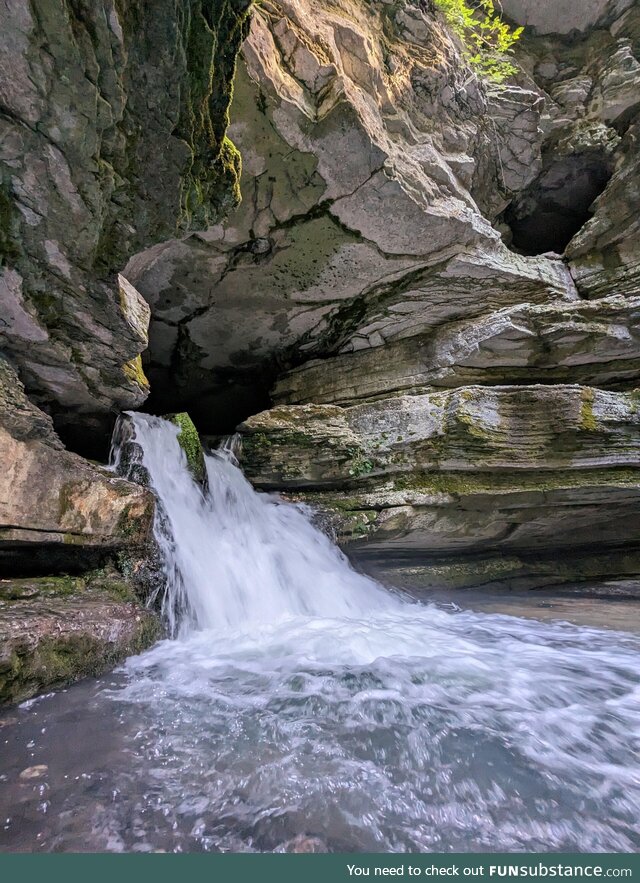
(487, 39)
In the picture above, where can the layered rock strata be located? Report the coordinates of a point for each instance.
(55, 630)
(58, 511)
(61, 514)
(518, 485)
(373, 165)
(475, 421)
(436, 277)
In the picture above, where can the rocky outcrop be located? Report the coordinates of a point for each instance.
(471, 429)
(564, 16)
(54, 631)
(57, 511)
(595, 342)
(60, 514)
(590, 157)
(441, 278)
(435, 278)
(516, 485)
(112, 137)
(374, 162)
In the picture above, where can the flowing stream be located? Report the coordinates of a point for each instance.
(301, 705)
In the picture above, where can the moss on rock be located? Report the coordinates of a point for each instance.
(8, 247)
(57, 629)
(213, 31)
(189, 441)
(587, 417)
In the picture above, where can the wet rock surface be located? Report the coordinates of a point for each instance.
(56, 630)
(428, 299)
(58, 511)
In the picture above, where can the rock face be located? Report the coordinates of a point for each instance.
(57, 511)
(433, 280)
(112, 136)
(60, 514)
(590, 157)
(373, 165)
(564, 16)
(520, 485)
(472, 418)
(56, 630)
(595, 342)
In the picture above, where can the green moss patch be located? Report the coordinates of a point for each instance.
(212, 33)
(189, 441)
(9, 250)
(57, 629)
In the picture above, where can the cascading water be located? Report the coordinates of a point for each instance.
(302, 705)
(238, 559)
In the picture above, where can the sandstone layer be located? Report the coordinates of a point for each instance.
(61, 514)
(524, 485)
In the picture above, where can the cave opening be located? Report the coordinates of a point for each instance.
(216, 400)
(549, 213)
(216, 404)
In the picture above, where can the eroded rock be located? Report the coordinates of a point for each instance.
(373, 163)
(111, 139)
(54, 631)
(57, 510)
(596, 342)
(508, 485)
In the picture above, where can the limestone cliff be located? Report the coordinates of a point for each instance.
(112, 136)
(491, 249)
(374, 162)
(113, 121)
(424, 313)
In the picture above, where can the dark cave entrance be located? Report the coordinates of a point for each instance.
(548, 214)
(217, 401)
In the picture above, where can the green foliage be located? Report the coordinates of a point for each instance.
(189, 441)
(360, 464)
(486, 38)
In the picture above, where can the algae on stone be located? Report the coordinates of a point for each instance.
(56, 630)
(189, 441)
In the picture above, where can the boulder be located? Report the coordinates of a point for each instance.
(58, 511)
(55, 630)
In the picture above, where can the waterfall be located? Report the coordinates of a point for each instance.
(298, 698)
(234, 557)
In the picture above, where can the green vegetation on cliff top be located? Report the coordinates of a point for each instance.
(486, 38)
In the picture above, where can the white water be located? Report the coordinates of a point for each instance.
(299, 699)
(304, 699)
(238, 559)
